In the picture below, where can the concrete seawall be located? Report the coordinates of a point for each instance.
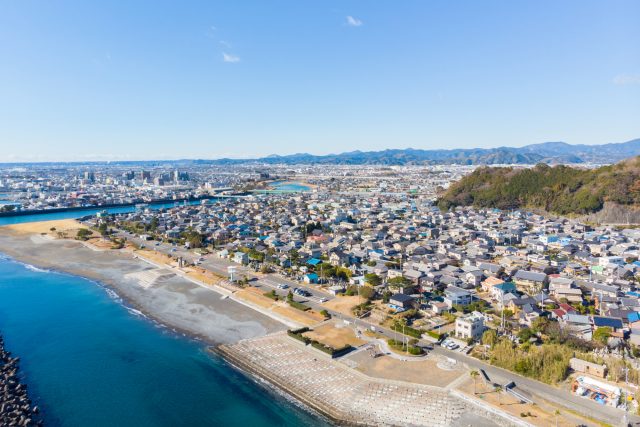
(346, 396)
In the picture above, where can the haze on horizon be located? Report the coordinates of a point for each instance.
(211, 79)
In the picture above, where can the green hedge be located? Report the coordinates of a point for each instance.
(299, 305)
(272, 295)
(434, 334)
(297, 334)
(408, 330)
(333, 352)
(400, 346)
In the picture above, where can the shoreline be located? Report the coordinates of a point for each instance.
(290, 392)
(34, 246)
(178, 303)
(127, 303)
(209, 346)
(272, 386)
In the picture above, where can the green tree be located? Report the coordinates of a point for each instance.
(102, 228)
(498, 390)
(602, 335)
(490, 337)
(507, 313)
(372, 279)
(525, 334)
(153, 224)
(474, 375)
(83, 234)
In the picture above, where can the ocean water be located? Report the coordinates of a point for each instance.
(88, 360)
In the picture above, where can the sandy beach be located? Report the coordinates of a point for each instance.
(159, 293)
(247, 329)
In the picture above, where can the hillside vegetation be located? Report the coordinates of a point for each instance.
(560, 189)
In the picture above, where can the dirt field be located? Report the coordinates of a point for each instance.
(70, 226)
(419, 372)
(307, 318)
(101, 243)
(343, 304)
(333, 336)
(203, 275)
(255, 296)
(156, 257)
(541, 414)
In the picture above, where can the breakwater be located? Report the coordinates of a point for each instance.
(15, 405)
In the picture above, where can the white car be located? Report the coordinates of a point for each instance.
(323, 299)
(283, 286)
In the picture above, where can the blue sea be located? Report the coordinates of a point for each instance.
(89, 360)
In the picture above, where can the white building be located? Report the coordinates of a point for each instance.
(470, 326)
(606, 260)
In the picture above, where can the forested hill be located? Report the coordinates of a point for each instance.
(559, 189)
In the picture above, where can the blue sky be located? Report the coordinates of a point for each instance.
(159, 79)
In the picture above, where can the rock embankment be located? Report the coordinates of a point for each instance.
(15, 406)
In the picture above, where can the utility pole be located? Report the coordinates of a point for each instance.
(502, 310)
(404, 337)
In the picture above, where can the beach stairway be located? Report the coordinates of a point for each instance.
(146, 278)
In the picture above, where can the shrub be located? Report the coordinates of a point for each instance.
(434, 334)
(272, 294)
(83, 234)
(408, 330)
(297, 334)
(415, 350)
(299, 305)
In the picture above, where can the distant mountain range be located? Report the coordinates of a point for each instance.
(548, 152)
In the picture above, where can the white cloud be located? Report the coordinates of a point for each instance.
(211, 32)
(353, 22)
(627, 79)
(227, 57)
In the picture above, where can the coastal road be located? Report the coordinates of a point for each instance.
(497, 375)
(219, 266)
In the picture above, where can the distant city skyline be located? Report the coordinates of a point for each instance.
(155, 80)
